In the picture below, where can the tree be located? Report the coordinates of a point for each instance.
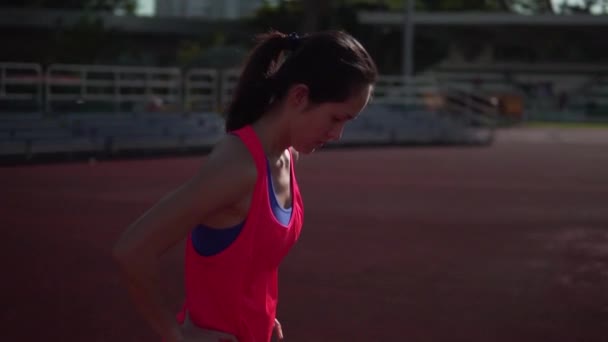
(316, 9)
(128, 6)
(87, 40)
(587, 6)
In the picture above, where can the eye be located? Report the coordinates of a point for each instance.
(336, 119)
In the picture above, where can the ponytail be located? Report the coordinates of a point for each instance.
(332, 64)
(254, 90)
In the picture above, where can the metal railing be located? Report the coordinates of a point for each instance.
(111, 84)
(192, 90)
(397, 90)
(21, 82)
(201, 90)
(229, 80)
(475, 110)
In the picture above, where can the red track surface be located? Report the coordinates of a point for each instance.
(505, 243)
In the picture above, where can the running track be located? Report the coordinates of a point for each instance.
(501, 243)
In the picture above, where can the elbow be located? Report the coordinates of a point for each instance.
(131, 259)
(125, 255)
(122, 255)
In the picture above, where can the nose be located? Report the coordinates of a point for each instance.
(336, 133)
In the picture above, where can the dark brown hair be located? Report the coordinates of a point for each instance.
(333, 65)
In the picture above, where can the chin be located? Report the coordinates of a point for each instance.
(305, 149)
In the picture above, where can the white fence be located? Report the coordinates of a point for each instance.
(192, 99)
(228, 83)
(144, 88)
(201, 89)
(111, 84)
(21, 81)
(155, 89)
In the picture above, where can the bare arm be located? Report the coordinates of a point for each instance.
(223, 180)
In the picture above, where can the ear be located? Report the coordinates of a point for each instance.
(298, 96)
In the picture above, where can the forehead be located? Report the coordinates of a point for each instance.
(352, 105)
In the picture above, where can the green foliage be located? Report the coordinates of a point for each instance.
(384, 44)
(188, 52)
(285, 17)
(128, 6)
(87, 41)
(459, 5)
(518, 6)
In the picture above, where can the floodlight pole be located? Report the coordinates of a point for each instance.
(408, 44)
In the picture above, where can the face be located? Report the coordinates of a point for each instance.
(315, 125)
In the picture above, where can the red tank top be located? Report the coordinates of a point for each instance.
(235, 291)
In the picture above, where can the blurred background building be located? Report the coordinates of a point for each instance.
(228, 9)
(475, 65)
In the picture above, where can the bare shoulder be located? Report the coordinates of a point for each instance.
(230, 147)
(226, 176)
(230, 158)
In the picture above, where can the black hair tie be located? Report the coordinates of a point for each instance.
(293, 41)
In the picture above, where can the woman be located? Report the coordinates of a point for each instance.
(242, 211)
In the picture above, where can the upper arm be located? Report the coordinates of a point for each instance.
(226, 176)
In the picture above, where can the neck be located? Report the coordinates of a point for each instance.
(271, 129)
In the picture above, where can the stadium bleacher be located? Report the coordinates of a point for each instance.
(168, 112)
(553, 92)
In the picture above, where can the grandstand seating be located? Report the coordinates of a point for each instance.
(105, 110)
(572, 92)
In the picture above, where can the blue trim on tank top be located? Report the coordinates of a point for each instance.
(282, 215)
(209, 241)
